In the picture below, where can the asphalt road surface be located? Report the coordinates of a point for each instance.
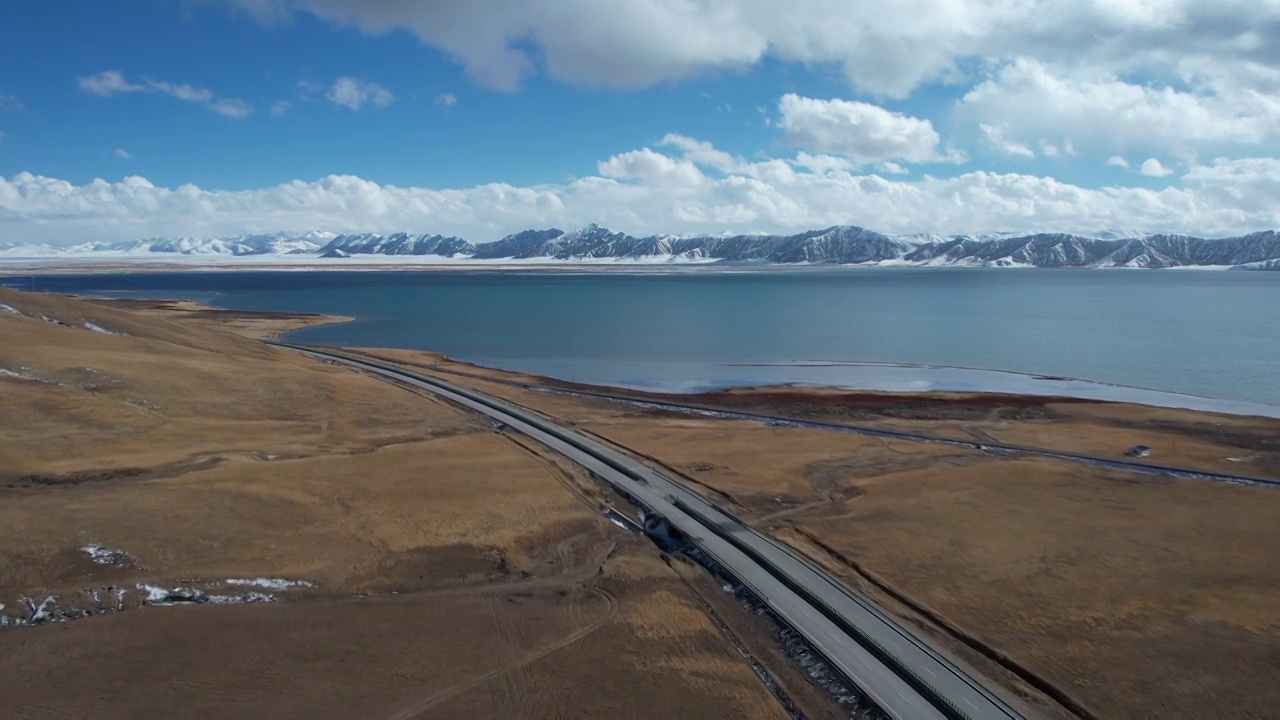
(901, 674)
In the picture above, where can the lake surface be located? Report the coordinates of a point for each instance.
(1203, 333)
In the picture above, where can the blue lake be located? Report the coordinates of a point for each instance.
(1206, 333)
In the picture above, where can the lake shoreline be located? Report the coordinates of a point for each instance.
(273, 325)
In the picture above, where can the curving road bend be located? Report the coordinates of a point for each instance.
(903, 675)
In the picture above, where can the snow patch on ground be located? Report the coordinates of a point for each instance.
(156, 595)
(270, 583)
(104, 555)
(97, 328)
(97, 600)
(9, 309)
(12, 374)
(39, 613)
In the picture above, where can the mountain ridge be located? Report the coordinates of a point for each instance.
(839, 244)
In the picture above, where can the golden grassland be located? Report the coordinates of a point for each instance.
(1134, 595)
(457, 572)
(208, 455)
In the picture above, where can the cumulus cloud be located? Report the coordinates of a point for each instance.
(1117, 161)
(685, 189)
(122, 154)
(996, 139)
(705, 154)
(10, 102)
(1165, 77)
(113, 82)
(860, 131)
(883, 48)
(1028, 100)
(1152, 167)
(355, 93)
(650, 167)
(823, 163)
(1239, 188)
(446, 99)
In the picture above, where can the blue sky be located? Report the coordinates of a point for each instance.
(651, 116)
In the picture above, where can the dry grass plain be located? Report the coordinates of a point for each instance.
(207, 456)
(456, 572)
(1135, 595)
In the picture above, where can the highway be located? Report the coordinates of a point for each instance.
(901, 674)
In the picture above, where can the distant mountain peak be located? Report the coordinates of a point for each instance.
(837, 244)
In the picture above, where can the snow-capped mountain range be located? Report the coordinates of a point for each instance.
(236, 245)
(847, 245)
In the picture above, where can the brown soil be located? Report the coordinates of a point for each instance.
(1213, 442)
(1201, 441)
(456, 572)
(1133, 595)
(207, 456)
(257, 325)
(1139, 597)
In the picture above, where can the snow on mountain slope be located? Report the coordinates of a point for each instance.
(395, 244)
(842, 244)
(237, 245)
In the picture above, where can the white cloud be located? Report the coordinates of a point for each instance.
(1028, 99)
(201, 96)
(113, 82)
(355, 93)
(649, 167)
(857, 130)
(10, 102)
(1117, 161)
(996, 138)
(705, 154)
(822, 164)
(1245, 187)
(882, 48)
(122, 154)
(107, 83)
(231, 107)
(281, 108)
(893, 168)
(1151, 167)
(646, 191)
(2, 137)
(1237, 171)
(446, 99)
